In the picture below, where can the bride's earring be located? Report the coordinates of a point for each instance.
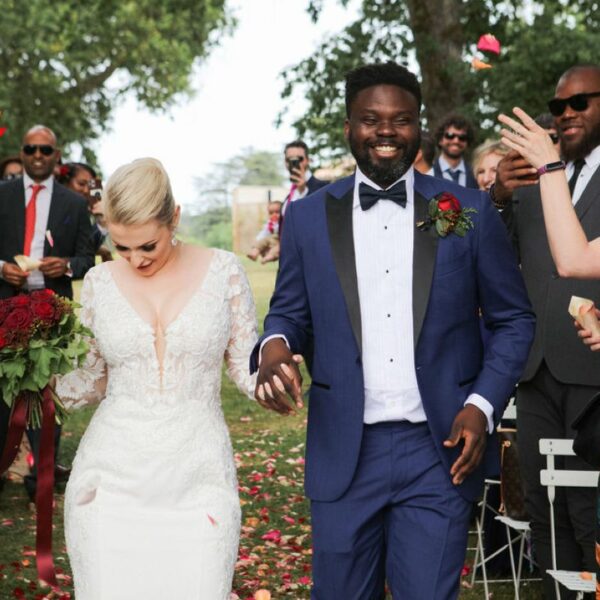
(174, 240)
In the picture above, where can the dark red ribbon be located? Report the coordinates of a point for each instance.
(45, 477)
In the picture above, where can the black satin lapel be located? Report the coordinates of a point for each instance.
(424, 253)
(591, 194)
(339, 225)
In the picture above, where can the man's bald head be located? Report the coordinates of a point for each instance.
(41, 129)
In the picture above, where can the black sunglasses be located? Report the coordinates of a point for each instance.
(578, 102)
(463, 137)
(31, 149)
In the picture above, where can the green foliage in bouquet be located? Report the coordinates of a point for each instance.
(40, 338)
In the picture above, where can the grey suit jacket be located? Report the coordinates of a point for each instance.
(556, 340)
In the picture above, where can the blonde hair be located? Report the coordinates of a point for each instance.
(138, 192)
(488, 147)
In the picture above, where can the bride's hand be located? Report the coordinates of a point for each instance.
(531, 141)
(587, 337)
(279, 383)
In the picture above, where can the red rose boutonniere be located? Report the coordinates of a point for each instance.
(446, 213)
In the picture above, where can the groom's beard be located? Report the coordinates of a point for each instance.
(384, 171)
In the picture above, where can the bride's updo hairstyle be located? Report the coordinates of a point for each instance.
(139, 192)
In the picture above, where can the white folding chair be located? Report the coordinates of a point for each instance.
(551, 477)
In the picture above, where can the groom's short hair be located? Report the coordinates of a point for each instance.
(389, 73)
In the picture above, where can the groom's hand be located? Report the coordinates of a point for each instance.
(469, 425)
(279, 378)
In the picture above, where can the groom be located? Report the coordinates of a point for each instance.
(403, 395)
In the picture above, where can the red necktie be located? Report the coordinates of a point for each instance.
(30, 218)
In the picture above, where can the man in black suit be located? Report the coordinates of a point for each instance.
(453, 137)
(46, 221)
(561, 374)
(303, 181)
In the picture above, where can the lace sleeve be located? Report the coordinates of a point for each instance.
(244, 330)
(87, 384)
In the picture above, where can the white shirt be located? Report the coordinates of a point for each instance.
(592, 160)
(383, 244)
(461, 167)
(42, 210)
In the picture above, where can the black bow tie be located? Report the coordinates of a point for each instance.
(369, 197)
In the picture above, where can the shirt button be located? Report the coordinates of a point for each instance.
(391, 360)
(385, 226)
(387, 270)
(389, 315)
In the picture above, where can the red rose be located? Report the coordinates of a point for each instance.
(448, 202)
(45, 295)
(3, 338)
(5, 308)
(20, 300)
(43, 310)
(19, 319)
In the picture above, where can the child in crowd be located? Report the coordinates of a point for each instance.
(266, 244)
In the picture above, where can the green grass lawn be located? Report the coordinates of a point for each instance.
(275, 546)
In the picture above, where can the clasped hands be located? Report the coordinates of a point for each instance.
(279, 388)
(52, 266)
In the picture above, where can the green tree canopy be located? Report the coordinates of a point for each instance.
(540, 40)
(66, 63)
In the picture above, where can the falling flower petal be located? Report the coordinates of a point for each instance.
(212, 520)
(489, 43)
(479, 65)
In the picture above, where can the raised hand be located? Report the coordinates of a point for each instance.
(527, 138)
(279, 383)
(53, 267)
(469, 425)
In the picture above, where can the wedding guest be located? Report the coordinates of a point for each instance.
(152, 508)
(425, 155)
(44, 220)
(403, 396)
(485, 162)
(266, 245)
(82, 179)
(561, 374)
(303, 181)
(453, 137)
(11, 168)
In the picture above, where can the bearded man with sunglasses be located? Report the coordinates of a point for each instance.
(561, 374)
(453, 137)
(44, 220)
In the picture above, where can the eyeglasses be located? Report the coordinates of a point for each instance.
(31, 149)
(462, 137)
(578, 102)
(554, 137)
(11, 176)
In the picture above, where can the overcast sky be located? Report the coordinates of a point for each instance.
(238, 96)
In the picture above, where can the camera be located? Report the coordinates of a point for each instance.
(294, 163)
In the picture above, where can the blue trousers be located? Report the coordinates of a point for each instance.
(401, 521)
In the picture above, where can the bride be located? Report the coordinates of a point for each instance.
(151, 508)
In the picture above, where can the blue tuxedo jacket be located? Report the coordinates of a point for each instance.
(316, 296)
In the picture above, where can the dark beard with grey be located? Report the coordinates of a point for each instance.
(387, 171)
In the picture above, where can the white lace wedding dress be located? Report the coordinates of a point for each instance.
(151, 508)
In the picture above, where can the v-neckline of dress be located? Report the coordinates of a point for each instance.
(199, 288)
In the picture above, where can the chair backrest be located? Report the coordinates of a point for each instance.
(551, 477)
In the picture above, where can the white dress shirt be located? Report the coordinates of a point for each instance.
(592, 160)
(461, 167)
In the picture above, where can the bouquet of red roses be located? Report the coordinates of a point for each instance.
(40, 337)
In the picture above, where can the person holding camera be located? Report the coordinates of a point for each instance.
(303, 181)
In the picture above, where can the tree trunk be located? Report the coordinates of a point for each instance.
(439, 40)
